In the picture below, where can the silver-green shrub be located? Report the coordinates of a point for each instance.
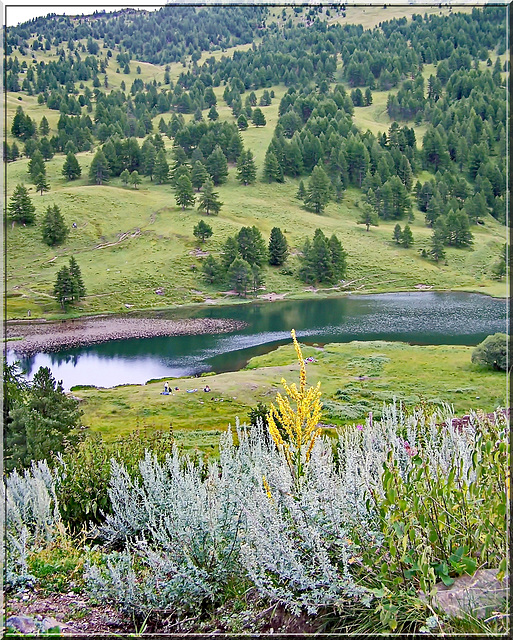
(31, 518)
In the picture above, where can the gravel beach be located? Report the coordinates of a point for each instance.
(43, 336)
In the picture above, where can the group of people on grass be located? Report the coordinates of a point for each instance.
(168, 389)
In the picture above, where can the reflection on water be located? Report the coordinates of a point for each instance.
(422, 318)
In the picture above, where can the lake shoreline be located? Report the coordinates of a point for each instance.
(30, 337)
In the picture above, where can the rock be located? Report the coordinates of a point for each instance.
(478, 594)
(49, 623)
(23, 624)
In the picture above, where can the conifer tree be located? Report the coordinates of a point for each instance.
(397, 233)
(64, 289)
(161, 169)
(79, 290)
(278, 247)
(368, 217)
(99, 170)
(20, 206)
(246, 170)
(41, 183)
(242, 122)
(71, 168)
(318, 192)
(251, 245)
(217, 166)
(55, 230)
(301, 191)
(406, 237)
(212, 114)
(437, 250)
(184, 193)
(338, 257)
(230, 251)
(272, 172)
(44, 128)
(209, 199)
(211, 269)
(199, 175)
(238, 276)
(202, 231)
(36, 166)
(258, 117)
(125, 177)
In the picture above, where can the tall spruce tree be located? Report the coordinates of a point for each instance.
(55, 230)
(161, 169)
(71, 169)
(209, 199)
(318, 190)
(184, 193)
(246, 170)
(99, 170)
(199, 175)
(278, 247)
(20, 206)
(217, 166)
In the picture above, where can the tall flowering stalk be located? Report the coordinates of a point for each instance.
(300, 425)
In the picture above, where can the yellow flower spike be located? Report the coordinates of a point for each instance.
(267, 489)
(298, 427)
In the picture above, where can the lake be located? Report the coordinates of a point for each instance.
(418, 318)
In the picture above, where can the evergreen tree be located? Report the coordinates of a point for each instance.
(41, 183)
(71, 169)
(437, 250)
(217, 166)
(338, 257)
(148, 158)
(202, 231)
(55, 230)
(209, 199)
(212, 114)
(36, 166)
(99, 170)
(256, 278)
(41, 424)
(238, 276)
(15, 152)
(368, 97)
(278, 247)
(242, 122)
(46, 149)
(458, 232)
(251, 246)
(161, 169)
(272, 171)
(199, 175)
(135, 178)
(301, 191)
(125, 177)
(406, 237)
(184, 193)
(368, 217)
(318, 192)
(64, 289)
(44, 127)
(20, 206)
(397, 233)
(246, 170)
(211, 269)
(79, 290)
(230, 251)
(258, 117)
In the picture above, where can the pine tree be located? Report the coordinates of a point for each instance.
(397, 233)
(148, 157)
(209, 199)
(20, 206)
(437, 250)
(42, 423)
(272, 171)
(246, 170)
(79, 290)
(161, 169)
(301, 191)
(318, 192)
(199, 175)
(278, 247)
(338, 257)
(41, 183)
(46, 149)
(184, 193)
(256, 278)
(125, 177)
(368, 217)
(211, 269)
(135, 178)
(406, 237)
(217, 166)
(238, 276)
(230, 251)
(64, 289)
(242, 122)
(202, 231)
(36, 166)
(212, 114)
(44, 128)
(99, 170)
(55, 230)
(258, 118)
(71, 169)
(251, 245)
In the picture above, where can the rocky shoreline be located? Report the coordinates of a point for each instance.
(31, 338)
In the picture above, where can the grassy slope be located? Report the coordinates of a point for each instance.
(158, 251)
(435, 374)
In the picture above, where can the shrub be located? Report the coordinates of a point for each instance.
(492, 352)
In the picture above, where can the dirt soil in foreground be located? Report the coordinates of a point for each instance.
(35, 337)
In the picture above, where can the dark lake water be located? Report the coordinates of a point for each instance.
(420, 318)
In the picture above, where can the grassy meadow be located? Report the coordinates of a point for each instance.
(356, 378)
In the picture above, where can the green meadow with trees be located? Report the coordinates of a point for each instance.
(195, 155)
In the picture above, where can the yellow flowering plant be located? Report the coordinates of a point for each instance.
(294, 430)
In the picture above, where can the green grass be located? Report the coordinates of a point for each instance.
(412, 374)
